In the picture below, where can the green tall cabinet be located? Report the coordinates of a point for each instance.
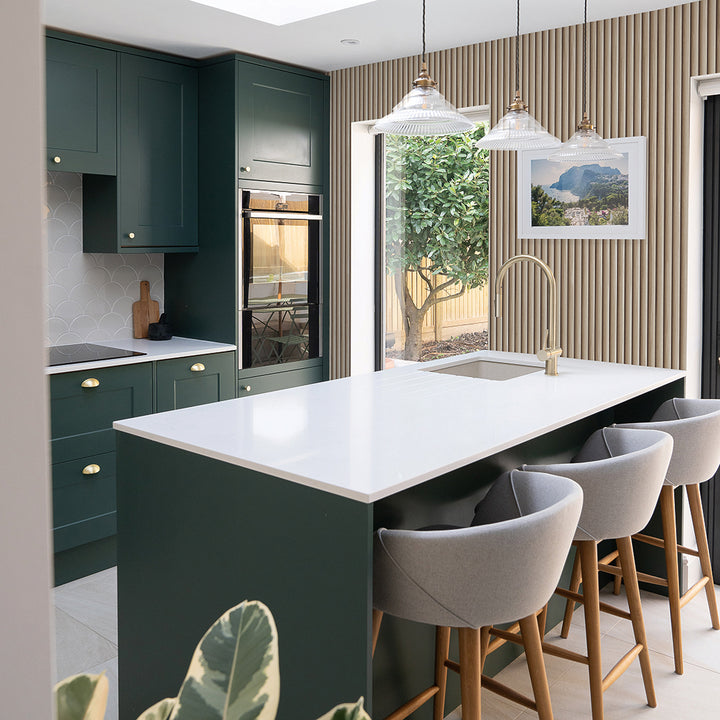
(81, 107)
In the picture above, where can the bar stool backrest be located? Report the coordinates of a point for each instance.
(621, 472)
(695, 427)
(486, 574)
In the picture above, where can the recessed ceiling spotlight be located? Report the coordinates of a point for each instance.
(349, 41)
(282, 12)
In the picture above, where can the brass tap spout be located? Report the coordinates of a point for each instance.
(550, 353)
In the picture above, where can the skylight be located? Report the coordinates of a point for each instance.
(282, 12)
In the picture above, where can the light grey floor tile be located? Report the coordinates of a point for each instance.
(92, 601)
(77, 647)
(701, 644)
(111, 670)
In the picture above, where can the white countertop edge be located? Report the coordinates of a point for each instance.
(176, 347)
(409, 482)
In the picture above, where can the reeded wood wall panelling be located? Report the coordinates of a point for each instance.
(620, 301)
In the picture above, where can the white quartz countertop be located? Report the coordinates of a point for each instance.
(176, 347)
(370, 436)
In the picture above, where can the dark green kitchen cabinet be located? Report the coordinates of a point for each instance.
(82, 409)
(152, 206)
(281, 125)
(189, 381)
(81, 107)
(85, 404)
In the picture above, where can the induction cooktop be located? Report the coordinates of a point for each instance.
(86, 352)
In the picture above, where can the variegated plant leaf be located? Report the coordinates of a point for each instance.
(160, 710)
(347, 712)
(234, 673)
(82, 697)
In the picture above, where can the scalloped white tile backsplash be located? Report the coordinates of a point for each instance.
(90, 295)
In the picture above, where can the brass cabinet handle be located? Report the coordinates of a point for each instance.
(90, 383)
(57, 159)
(131, 236)
(245, 168)
(91, 469)
(197, 367)
(246, 388)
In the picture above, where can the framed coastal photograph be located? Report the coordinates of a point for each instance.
(581, 199)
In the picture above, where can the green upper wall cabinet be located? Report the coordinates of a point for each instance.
(81, 107)
(281, 133)
(153, 204)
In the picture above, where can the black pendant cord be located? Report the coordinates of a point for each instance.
(517, 50)
(423, 31)
(584, 90)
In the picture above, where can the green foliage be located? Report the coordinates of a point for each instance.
(436, 221)
(233, 675)
(437, 206)
(82, 697)
(546, 211)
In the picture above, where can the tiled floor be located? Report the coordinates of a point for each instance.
(86, 629)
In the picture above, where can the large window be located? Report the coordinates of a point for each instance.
(433, 204)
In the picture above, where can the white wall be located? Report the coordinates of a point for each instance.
(25, 625)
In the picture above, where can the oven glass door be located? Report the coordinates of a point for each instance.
(280, 316)
(277, 268)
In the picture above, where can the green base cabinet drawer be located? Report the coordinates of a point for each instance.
(81, 107)
(84, 500)
(186, 382)
(90, 400)
(254, 385)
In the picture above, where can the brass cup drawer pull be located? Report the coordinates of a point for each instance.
(90, 383)
(91, 469)
(197, 367)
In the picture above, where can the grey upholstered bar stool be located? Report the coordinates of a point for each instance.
(471, 578)
(695, 428)
(621, 473)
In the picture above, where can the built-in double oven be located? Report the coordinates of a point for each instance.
(280, 271)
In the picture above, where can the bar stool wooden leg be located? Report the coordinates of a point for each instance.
(627, 562)
(575, 579)
(377, 617)
(591, 603)
(470, 672)
(442, 650)
(667, 510)
(536, 665)
(696, 512)
(542, 621)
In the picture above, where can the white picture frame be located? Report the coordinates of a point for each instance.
(534, 168)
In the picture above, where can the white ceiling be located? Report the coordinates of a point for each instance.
(385, 29)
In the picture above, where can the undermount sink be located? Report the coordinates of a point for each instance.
(488, 369)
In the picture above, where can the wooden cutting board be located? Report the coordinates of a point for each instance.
(145, 311)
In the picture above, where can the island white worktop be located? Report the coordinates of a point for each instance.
(369, 436)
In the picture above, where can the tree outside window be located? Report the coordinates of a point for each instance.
(436, 228)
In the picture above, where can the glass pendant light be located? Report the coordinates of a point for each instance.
(424, 111)
(517, 129)
(585, 144)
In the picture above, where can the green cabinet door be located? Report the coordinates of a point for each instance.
(81, 107)
(189, 381)
(153, 205)
(281, 125)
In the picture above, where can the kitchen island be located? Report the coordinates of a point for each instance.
(275, 497)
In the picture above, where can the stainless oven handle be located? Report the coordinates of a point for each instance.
(279, 215)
